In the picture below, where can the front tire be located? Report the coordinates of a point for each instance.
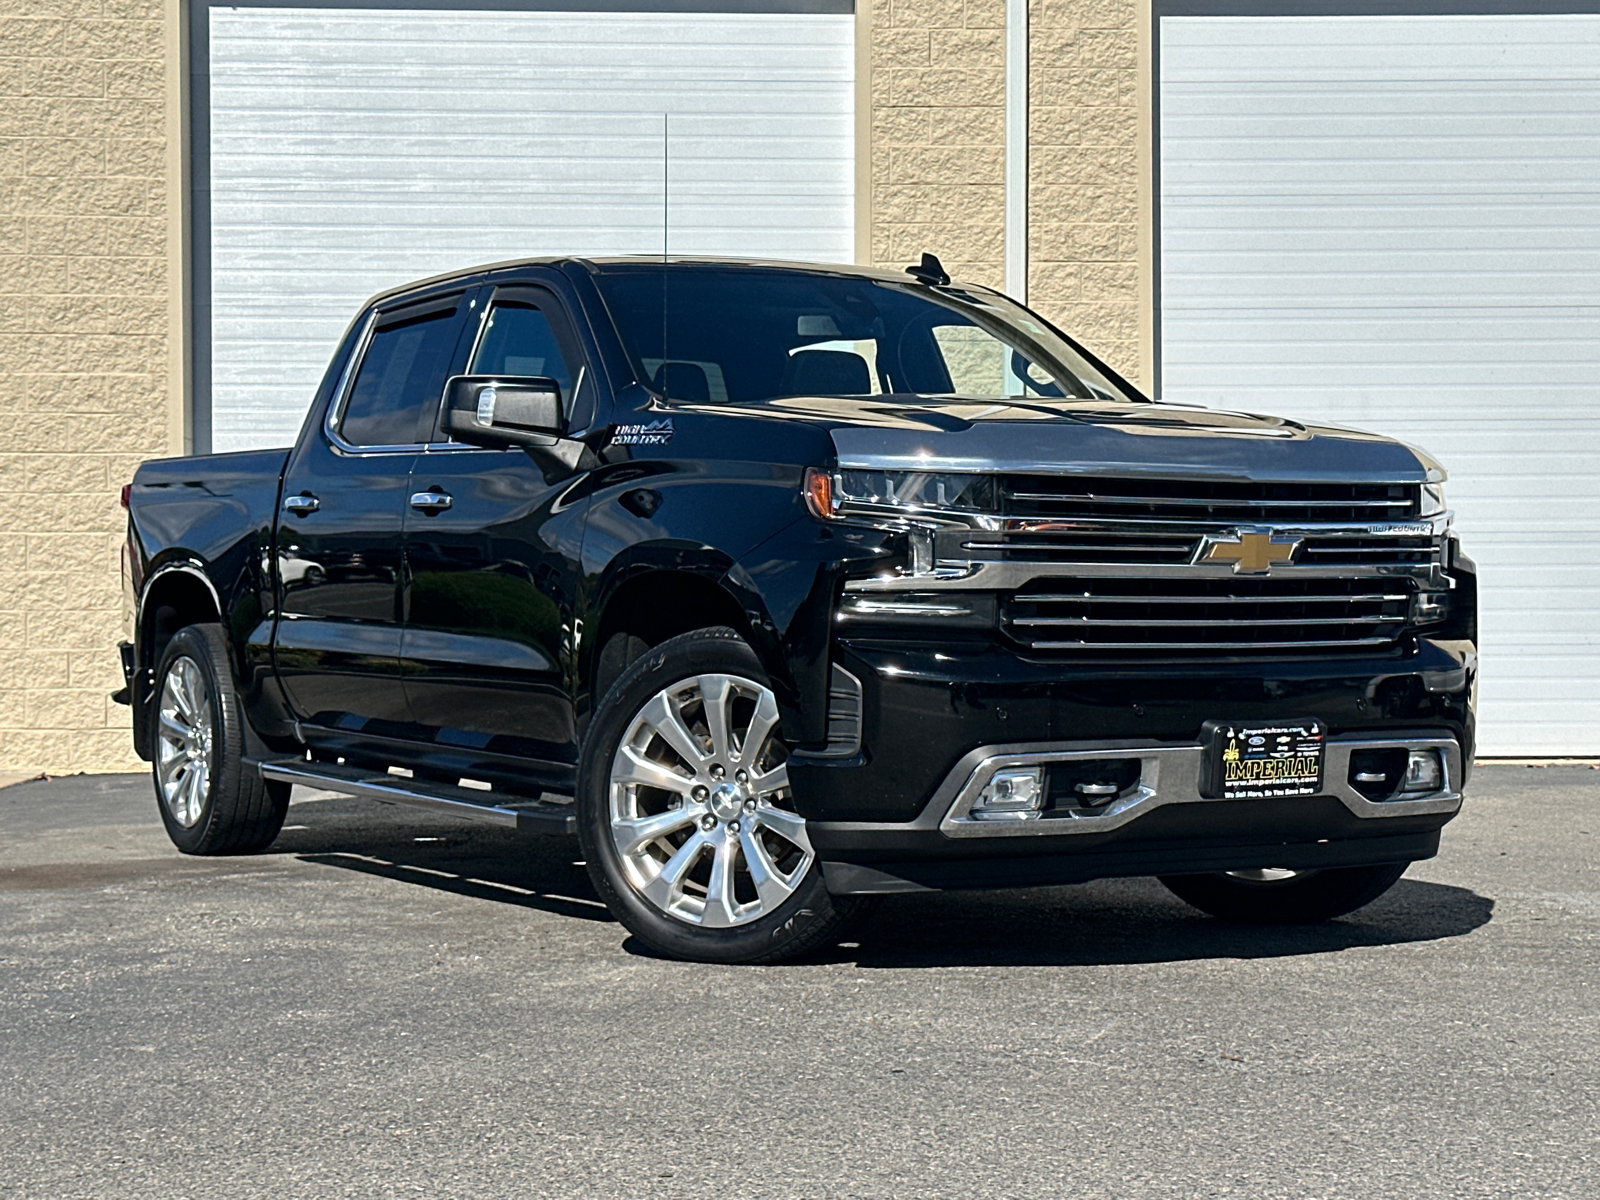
(211, 801)
(685, 813)
(1271, 896)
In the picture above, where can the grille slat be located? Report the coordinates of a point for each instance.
(1177, 502)
(1198, 622)
(1206, 615)
(1191, 500)
(1214, 647)
(1078, 547)
(1091, 599)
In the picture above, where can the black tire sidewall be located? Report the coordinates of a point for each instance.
(1321, 896)
(191, 643)
(800, 922)
(242, 813)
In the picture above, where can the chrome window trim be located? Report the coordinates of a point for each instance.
(1170, 775)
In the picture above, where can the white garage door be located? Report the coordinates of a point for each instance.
(1394, 223)
(352, 150)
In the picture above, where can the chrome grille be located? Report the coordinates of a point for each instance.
(1369, 552)
(1049, 543)
(1071, 497)
(1207, 616)
(1044, 545)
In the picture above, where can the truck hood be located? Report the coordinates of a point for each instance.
(1093, 436)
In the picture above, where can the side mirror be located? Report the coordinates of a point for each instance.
(503, 410)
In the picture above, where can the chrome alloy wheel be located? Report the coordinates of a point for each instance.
(183, 741)
(700, 808)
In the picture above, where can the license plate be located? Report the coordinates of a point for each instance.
(1263, 761)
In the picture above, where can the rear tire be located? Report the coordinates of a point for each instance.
(684, 810)
(1300, 898)
(210, 800)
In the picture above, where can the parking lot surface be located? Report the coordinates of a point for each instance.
(389, 1003)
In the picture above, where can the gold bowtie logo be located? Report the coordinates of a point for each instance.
(1253, 553)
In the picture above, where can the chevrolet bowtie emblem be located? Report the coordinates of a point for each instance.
(1253, 553)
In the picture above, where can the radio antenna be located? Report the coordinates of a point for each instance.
(665, 223)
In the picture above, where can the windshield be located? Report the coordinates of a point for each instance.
(747, 334)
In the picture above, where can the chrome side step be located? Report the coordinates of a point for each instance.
(494, 808)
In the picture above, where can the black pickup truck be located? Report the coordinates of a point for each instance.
(788, 586)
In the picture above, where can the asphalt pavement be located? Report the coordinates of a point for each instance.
(389, 1003)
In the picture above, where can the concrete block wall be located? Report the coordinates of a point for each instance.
(938, 154)
(1083, 194)
(83, 359)
(938, 135)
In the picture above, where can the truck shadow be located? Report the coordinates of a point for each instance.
(1107, 922)
(1130, 921)
(458, 857)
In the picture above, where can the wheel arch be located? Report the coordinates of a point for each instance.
(655, 604)
(177, 594)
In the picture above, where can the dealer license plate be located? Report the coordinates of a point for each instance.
(1263, 761)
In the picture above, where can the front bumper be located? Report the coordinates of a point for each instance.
(939, 721)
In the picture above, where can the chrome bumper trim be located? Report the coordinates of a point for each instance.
(1169, 775)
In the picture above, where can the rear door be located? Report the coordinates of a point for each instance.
(492, 550)
(339, 545)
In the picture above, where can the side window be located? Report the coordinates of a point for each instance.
(518, 340)
(397, 388)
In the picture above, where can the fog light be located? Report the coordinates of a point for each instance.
(1016, 795)
(1424, 772)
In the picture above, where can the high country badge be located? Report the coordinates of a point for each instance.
(656, 433)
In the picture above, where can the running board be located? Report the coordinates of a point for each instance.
(495, 808)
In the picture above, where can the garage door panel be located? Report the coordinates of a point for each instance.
(1393, 223)
(351, 151)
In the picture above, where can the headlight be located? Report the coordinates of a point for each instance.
(897, 494)
(1432, 500)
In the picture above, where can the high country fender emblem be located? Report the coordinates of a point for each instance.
(656, 433)
(1251, 552)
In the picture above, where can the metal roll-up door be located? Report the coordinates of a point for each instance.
(352, 150)
(1394, 223)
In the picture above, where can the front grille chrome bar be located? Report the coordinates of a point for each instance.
(1166, 622)
(1211, 647)
(1092, 498)
(1086, 598)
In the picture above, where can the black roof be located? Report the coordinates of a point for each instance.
(600, 265)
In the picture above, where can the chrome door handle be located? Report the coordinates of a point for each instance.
(302, 504)
(430, 501)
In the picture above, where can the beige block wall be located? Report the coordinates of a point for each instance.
(938, 154)
(1084, 111)
(84, 313)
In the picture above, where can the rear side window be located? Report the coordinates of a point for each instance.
(397, 388)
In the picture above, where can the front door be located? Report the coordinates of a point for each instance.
(492, 549)
(339, 550)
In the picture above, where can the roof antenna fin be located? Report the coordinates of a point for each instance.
(929, 270)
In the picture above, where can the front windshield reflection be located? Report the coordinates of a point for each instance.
(743, 335)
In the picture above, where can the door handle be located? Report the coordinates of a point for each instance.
(302, 504)
(430, 501)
